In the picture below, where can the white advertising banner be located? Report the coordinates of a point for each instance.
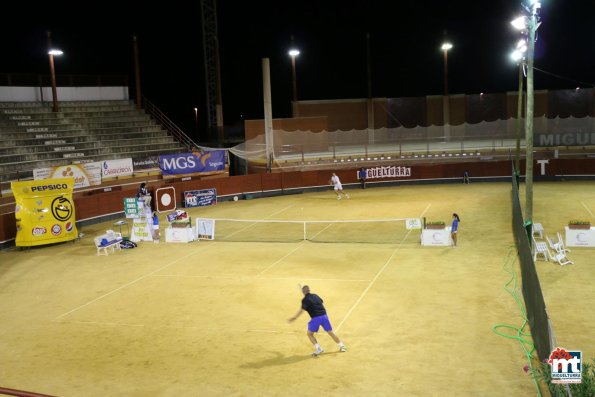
(87, 174)
(116, 168)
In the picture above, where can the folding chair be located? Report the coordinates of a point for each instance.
(558, 248)
(538, 230)
(540, 248)
(562, 259)
(561, 242)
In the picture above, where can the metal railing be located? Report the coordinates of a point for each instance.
(169, 125)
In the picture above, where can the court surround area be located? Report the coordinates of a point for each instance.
(209, 318)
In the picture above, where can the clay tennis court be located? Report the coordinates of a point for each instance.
(210, 318)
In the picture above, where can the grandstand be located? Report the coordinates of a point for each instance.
(32, 136)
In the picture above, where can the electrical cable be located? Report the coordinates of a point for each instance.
(564, 78)
(521, 336)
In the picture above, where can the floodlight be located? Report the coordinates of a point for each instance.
(446, 46)
(520, 23)
(55, 52)
(294, 52)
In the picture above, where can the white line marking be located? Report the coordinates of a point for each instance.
(130, 283)
(283, 257)
(259, 278)
(103, 323)
(587, 208)
(378, 273)
(252, 224)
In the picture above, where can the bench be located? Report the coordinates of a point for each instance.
(108, 240)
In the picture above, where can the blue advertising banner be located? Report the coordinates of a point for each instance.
(200, 198)
(189, 163)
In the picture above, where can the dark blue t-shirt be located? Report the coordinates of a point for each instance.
(312, 303)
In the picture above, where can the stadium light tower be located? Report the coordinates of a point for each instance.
(518, 56)
(294, 53)
(529, 24)
(445, 102)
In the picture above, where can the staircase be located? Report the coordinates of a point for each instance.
(32, 136)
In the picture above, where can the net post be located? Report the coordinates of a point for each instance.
(304, 230)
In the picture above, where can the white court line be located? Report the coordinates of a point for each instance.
(103, 323)
(291, 252)
(587, 208)
(378, 274)
(146, 275)
(283, 257)
(252, 224)
(259, 278)
(130, 283)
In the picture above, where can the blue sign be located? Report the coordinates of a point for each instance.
(200, 198)
(190, 163)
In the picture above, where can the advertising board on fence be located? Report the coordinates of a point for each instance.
(116, 168)
(145, 164)
(87, 174)
(189, 163)
(200, 198)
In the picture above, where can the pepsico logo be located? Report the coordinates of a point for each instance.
(56, 230)
(68, 227)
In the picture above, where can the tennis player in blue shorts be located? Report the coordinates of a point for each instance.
(312, 303)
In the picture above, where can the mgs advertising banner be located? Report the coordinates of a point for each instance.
(190, 163)
(44, 211)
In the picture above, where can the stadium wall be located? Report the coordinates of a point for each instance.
(106, 202)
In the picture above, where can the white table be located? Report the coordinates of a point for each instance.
(179, 235)
(436, 237)
(580, 237)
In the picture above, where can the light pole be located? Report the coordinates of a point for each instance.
(196, 120)
(294, 108)
(52, 53)
(518, 56)
(445, 102)
(530, 24)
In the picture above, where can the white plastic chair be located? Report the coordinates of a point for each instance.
(557, 247)
(540, 248)
(562, 259)
(561, 242)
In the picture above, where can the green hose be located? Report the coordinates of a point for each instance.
(523, 337)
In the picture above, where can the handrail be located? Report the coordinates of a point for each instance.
(169, 125)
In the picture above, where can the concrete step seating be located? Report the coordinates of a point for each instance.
(32, 136)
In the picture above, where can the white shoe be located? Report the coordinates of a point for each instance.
(347, 196)
(343, 348)
(318, 352)
(338, 197)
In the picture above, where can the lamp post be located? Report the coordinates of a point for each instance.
(196, 120)
(529, 24)
(445, 102)
(52, 53)
(294, 109)
(518, 56)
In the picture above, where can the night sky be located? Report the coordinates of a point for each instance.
(331, 35)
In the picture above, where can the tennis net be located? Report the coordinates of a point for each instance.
(378, 231)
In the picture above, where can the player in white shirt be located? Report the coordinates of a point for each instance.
(337, 186)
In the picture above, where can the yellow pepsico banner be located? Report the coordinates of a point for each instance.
(44, 211)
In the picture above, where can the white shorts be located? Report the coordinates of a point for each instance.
(338, 186)
(155, 227)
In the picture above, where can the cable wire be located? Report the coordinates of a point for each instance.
(564, 78)
(521, 336)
